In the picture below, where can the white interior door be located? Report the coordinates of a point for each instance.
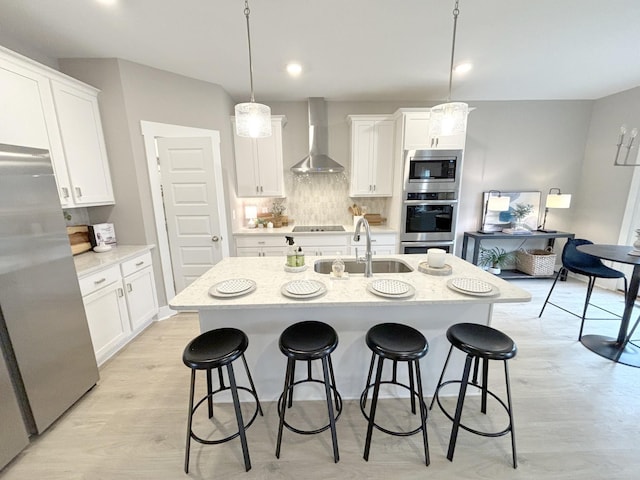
(190, 204)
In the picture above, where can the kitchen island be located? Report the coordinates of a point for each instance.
(348, 306)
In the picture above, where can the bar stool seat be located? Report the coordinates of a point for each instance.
(213, 350)
(398, 343)
(479, 342)
(308, 341)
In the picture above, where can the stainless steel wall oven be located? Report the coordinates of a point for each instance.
(430, 203)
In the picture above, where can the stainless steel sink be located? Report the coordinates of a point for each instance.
(379, 265)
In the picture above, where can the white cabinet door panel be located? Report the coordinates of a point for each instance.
(83, 144)
(141, 296)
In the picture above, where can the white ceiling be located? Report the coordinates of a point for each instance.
(353, 49)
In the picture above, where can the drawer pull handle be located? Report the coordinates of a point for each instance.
(120, 292)
(139, 264)
(129, 287)
(261, 243)
(98, 282)
(65, 192)
(79, 191)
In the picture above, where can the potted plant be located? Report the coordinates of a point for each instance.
(277, 209)
(519, 212)
(495, 258)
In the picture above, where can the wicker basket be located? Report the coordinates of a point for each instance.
(536, 262)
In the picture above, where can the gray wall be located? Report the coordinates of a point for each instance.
(604, 188)
(130, 93)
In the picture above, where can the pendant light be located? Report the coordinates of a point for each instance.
(449, 118)
(252, 119)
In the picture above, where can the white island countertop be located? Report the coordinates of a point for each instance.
(269, 275)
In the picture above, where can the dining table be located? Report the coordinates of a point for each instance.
(620, 349)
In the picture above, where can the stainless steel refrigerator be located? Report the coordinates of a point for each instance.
(47, 361)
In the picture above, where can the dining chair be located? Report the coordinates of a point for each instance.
(580, 263)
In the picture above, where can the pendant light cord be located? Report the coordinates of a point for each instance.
(246, 14)
(456, 12)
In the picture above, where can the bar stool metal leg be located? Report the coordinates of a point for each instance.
(253, 387)
(288, 380)
(372, 412)
(458, 414)
(332, 420)
(189, 421)
(423, 413)
(446, 362)
(511, 426)
(236, 405)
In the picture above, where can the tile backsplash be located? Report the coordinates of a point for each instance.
(321, 199)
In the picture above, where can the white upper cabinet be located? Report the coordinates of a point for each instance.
(83, 144)
(372, 154)
(418, 136)
(42, 108)
(259, 162)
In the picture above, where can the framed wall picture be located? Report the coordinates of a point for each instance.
(526, 203)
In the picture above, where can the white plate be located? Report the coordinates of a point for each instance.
(390, 287)
(234, 285)
(409, 293)
(303, 287)
(322, 289)
(472, 285)
(493, 291)
(213, 291)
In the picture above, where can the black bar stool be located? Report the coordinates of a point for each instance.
(399, 343)
(307, 341)
(216, 349)
(478, 342)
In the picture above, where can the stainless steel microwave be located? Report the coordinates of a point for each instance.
(432, 170)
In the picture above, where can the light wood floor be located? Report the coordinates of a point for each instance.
(576, 416)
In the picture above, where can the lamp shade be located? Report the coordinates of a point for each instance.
(250, 211)
(448, 119)
(498, 204)
(253, 120)
(559, 200)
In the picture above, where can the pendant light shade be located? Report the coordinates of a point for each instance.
(449, 118)
(252, 119)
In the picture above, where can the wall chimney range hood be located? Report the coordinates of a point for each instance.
(317, 161)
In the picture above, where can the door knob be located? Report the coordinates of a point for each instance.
(215, 238)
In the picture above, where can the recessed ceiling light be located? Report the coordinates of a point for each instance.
(107, 2)
(463, 67)
(294, 69)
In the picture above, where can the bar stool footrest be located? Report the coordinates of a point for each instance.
(363, 399)
(230, 437)
(469, 429)
(338, 411)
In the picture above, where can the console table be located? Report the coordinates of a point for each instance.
(478, 238)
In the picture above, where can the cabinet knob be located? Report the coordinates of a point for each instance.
(215, 238)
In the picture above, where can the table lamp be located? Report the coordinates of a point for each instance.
(494, 203)
(554, 200)
(250, 213)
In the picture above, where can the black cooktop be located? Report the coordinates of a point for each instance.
(318, 228)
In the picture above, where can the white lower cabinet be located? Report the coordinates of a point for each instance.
(323, 245)
(381, 244)
(119, 301)
(140, 291)
(106, 309)
(260, 246)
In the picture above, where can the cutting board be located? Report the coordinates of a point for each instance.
(79, 239)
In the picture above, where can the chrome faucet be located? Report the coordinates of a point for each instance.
(368, 270)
